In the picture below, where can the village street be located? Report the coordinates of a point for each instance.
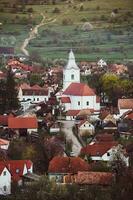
(67, 129)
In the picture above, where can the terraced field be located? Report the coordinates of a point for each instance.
(109, 37)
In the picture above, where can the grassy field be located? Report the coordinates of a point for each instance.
(110, 39)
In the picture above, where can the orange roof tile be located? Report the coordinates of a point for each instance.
(65, 100)
(67, 165)
(125, 103)
(98, 149)
(72, 112)
(91, 178)
(79, 89)
(22, 122)
(4, 142)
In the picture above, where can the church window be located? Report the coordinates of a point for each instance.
(78, 103)
(72, 76)
(87, 103)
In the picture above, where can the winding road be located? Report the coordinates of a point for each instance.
(34, 33)
(67, 129)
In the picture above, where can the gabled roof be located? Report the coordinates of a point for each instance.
(94, 178)
(4, 120)
(67, 165)
(98, 149)
(104, 137)
(36, 87)
(25, 86)
(79, 89)
(125, 103)
(2, 166)
(4, 142)
(72, 112)
(18, 165)
(65, 100)
(22, 122)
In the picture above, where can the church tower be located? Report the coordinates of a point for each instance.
(71, 72)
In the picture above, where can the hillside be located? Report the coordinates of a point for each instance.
(93, 28)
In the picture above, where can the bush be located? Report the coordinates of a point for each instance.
(67, 21)
(56, 10)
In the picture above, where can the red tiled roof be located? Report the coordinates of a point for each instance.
(65, 100)
(72, 112)
(14, 165)
(4, 120)
(79, 89)
(92, 178)
(125, 103)
(3, 142)
(129, 115)
(25, 86)
(67, 165)
(98, 149)
(104, 137)
(2, 166)
(36, 87)
(22, 122)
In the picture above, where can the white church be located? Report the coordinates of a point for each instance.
(77, 96)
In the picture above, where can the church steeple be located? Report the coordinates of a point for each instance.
(71, 72)
(71, 61)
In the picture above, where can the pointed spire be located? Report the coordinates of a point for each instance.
(71, 61)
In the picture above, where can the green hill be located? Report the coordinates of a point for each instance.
(94, 28)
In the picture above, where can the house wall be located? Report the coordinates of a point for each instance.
(86, 129)
(5, 180)
(83, 102)
(32, 130)
(4, 147)
(35, 99)
(122, 111)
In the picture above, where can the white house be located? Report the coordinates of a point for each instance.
(125, 105)
(5, 179)
(86, 128)
(32, 94)
(71, 73)
(4, 144)
(104, 151)
(101, 63)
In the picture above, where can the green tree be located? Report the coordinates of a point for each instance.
(12, 102)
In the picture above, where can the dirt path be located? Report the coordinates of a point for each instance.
(34, 33)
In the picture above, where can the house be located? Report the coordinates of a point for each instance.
(29, 95)
(125, 105)
(91, 178)
(101, 63)
(104, 151)
(5, 179)
(18, 168)
(23, 125)
(4, 144)
(4, 120)
(86, 128)
(60, 166)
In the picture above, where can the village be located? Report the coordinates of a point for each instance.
(63, 127)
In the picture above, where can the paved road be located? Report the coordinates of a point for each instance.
(67, 129)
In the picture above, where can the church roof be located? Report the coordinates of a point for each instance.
(71, 62)
(79, 89)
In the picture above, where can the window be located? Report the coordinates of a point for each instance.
(72, 77)
(17, 171)
(87, 103)
(4, 173)
(108, 154)
(84, 125)
(34, 99)
(78, 103)
(37, 99)
(5, 188)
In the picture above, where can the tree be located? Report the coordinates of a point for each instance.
(2, 96)
(12, 102)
